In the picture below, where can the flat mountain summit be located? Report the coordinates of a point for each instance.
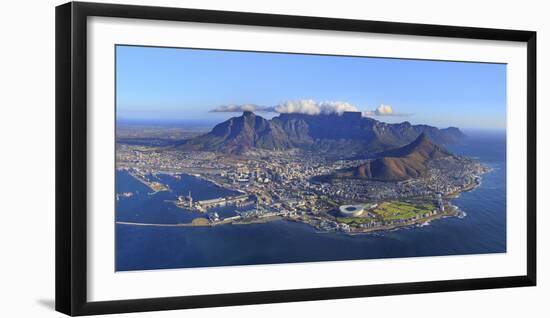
(346, 133)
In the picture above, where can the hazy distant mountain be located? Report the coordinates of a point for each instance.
(346, 133)
(399, 164)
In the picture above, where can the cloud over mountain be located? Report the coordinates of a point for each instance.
(240, 108)
(308, 107)
(311, 107)
(383, 110)
(301, 106)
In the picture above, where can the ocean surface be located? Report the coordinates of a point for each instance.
(483, 230)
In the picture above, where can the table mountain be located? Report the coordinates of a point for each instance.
(349, 133)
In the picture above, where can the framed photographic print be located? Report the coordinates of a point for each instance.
(210, 158)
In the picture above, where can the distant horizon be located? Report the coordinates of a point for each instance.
(209, 86)
(209, 124)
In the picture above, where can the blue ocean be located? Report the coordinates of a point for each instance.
(483, 230)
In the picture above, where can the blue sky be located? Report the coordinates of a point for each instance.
(186, 84)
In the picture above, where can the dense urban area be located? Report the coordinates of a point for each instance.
(292, 184)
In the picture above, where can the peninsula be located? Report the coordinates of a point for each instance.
(338, 172)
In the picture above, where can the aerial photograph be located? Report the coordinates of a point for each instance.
(233, 158)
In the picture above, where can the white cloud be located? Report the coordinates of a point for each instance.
(383, 110)
(302, 106)
(311, 107)
(239, 108)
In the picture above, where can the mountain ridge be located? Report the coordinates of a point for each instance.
(348, 132)
(407, 162)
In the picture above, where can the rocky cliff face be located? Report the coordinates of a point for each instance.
(348, 132)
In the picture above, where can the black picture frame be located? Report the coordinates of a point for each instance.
(71, 157)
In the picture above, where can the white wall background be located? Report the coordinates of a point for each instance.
(27, 158)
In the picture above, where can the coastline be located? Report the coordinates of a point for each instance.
(452, 211)
(389, 227)
(482, 231)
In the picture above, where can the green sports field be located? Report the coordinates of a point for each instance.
(398, 210)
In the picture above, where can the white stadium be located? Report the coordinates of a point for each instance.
(352, 210)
